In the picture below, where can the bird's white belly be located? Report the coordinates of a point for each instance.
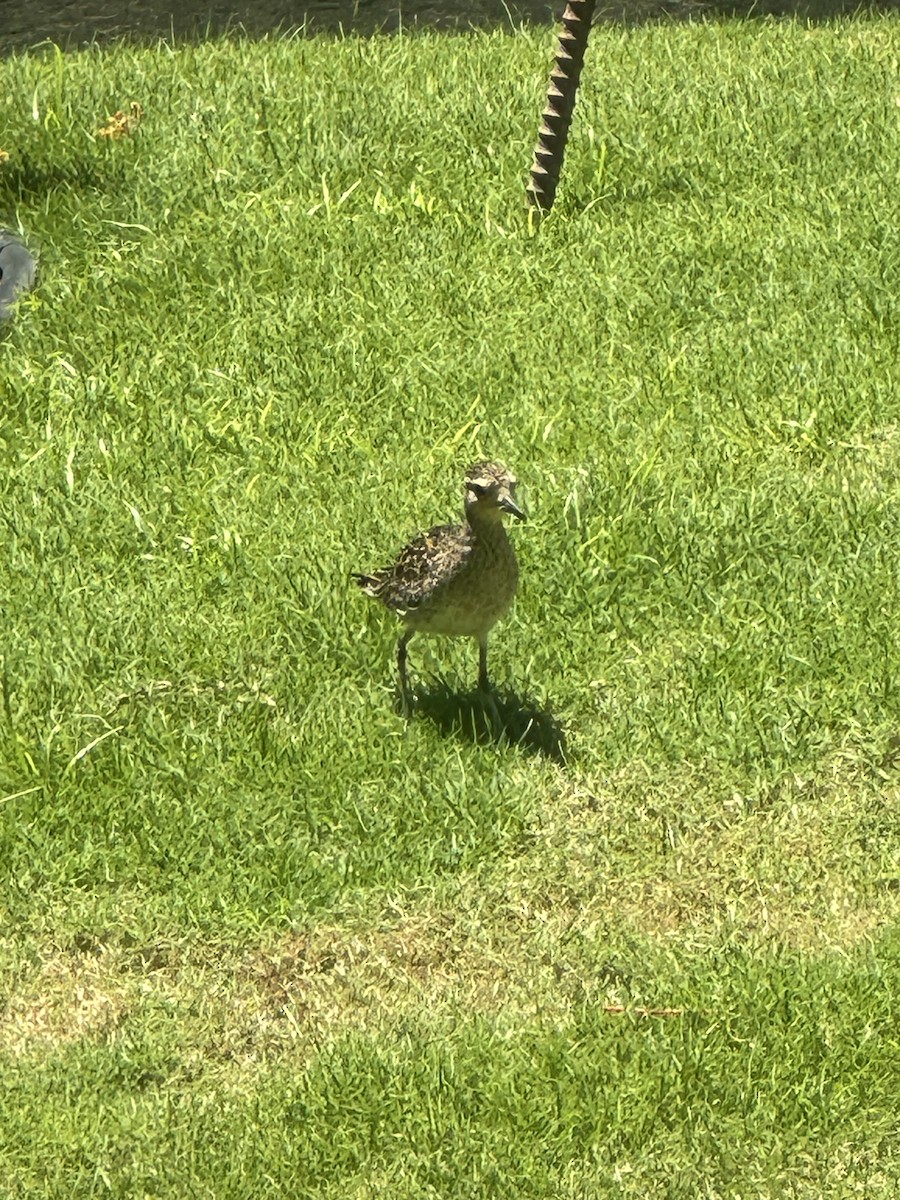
(454, 622)
(471, 615)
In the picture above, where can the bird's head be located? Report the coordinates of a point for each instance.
(491, 491)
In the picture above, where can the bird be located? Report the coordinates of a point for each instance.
(455, 580)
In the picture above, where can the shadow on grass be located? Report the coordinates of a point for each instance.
(30, 23)
(26, 179)
(499, 717)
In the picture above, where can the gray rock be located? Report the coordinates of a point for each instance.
(17, 272)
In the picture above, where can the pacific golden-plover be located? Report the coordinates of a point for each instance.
(456, 580)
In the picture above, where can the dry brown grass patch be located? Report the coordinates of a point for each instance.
(621, 869)
(70, 998)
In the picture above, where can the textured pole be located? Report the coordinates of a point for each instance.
(557, 115)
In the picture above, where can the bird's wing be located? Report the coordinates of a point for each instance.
(425, 565)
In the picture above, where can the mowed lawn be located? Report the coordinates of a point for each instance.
(630, 931)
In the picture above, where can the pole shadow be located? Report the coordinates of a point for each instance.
(500, 717)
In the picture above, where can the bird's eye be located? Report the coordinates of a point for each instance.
(478, 488)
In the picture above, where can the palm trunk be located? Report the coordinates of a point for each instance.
(557, 116)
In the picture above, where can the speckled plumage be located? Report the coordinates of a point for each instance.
(456, 580)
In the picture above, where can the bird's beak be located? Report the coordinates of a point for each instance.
(509, 505)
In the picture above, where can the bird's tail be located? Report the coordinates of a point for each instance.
(368, 583)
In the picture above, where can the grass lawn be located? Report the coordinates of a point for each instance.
(259, 934)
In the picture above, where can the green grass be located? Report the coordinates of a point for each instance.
(260, 934)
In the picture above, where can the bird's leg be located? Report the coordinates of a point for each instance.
(489, 699)
(483, 682)
(401, 662)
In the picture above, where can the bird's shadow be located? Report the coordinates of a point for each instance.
(498, 716)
